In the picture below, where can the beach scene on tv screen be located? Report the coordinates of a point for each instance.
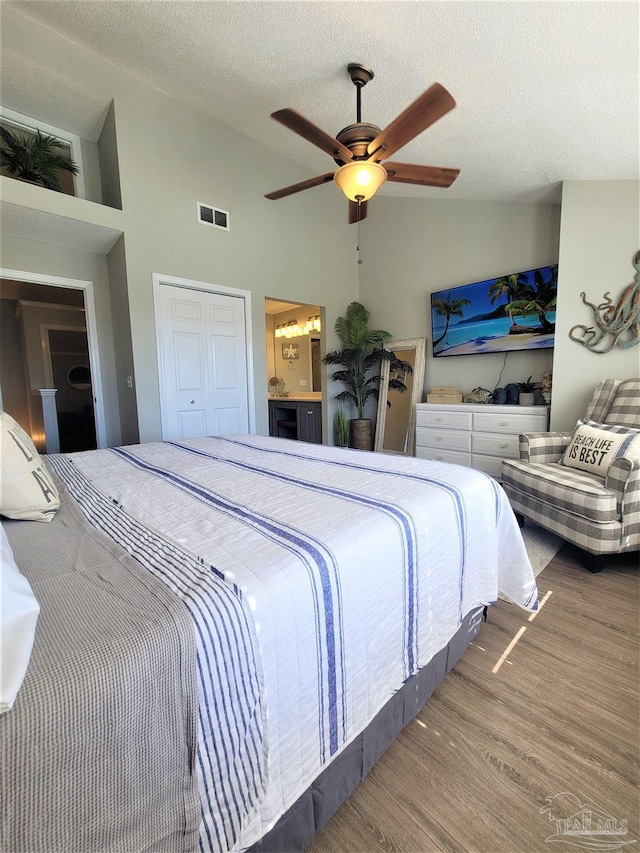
(511, 312)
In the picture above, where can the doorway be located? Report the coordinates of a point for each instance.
(19, 391)
(293, 347)
(66, 354)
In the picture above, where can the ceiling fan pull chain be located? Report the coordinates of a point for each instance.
(358, 234)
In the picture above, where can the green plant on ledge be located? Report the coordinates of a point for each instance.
(34, 158)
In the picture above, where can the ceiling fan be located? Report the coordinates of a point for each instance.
(360, 148)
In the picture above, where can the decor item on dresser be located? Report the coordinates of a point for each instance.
(34, 158)
(614, 324)
(513, 393)
(499, 396)
(475, 435)
(445, 395)
(585, 485)
(478, 395)
(360, 358)
(401, 385)
(511, 312)
(527, 392)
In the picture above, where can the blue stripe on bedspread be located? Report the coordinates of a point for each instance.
(401, 518)
(454, 493)
(231, 748)
(322, 569)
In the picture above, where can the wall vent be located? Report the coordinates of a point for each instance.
(209, 215)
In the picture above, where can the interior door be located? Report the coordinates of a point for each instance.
(203, 363)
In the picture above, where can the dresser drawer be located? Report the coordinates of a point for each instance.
(444, 456)
(508, 422)
(427, 417)
(443, 439)
(491, 465)
(493, 444)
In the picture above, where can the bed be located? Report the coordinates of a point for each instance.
(232, 630)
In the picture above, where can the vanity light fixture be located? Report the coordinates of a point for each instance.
(313, 324)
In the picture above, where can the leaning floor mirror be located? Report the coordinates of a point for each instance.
(396, 420)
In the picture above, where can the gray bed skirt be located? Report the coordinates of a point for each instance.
(296, 828)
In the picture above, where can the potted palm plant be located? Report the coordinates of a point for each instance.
(359, 361)
(35, 158)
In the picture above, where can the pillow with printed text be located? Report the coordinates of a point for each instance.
(27, 489)
(594, 447)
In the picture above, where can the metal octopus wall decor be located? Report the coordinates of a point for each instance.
(615, 325)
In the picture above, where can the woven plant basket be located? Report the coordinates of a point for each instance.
(360, 434)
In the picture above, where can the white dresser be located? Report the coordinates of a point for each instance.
(479, 436)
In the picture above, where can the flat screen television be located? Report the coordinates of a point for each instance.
(511, 312)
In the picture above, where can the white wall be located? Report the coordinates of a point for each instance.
(599, 236)
(47, 259)
(170, 157)
(411, 247)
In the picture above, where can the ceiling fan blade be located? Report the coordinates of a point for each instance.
(421, 114)
(425, 176)
(303, 127)
(303, 185)
(357, 212)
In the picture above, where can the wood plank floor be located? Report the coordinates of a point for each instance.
(560, 716)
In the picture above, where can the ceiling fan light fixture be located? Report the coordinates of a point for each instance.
(359, 180)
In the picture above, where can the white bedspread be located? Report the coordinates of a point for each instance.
(356, 568)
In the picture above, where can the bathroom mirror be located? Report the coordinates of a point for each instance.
(395, 424)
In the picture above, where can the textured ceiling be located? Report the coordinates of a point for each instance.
(546, 91)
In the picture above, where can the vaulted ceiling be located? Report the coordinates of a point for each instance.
(545, 91)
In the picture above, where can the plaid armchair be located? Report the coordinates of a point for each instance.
(601, 515)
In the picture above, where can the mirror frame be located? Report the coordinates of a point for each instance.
(420, 347)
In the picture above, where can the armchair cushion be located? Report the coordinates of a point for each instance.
(543, 446)
(594, 447)
(561, 488)
(624, 408)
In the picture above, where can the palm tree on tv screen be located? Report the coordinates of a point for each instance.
(538, 298)
(449, 308)
(509, 287)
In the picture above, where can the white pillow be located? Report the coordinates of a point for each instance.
(18, 616)
(27, 490)
(594, 447)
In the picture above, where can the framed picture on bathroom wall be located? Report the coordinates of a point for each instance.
(290, 351)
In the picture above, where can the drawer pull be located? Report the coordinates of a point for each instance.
(439, 419)
(504, 423)
(504, 444)
(439, 456)
(439, 438)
